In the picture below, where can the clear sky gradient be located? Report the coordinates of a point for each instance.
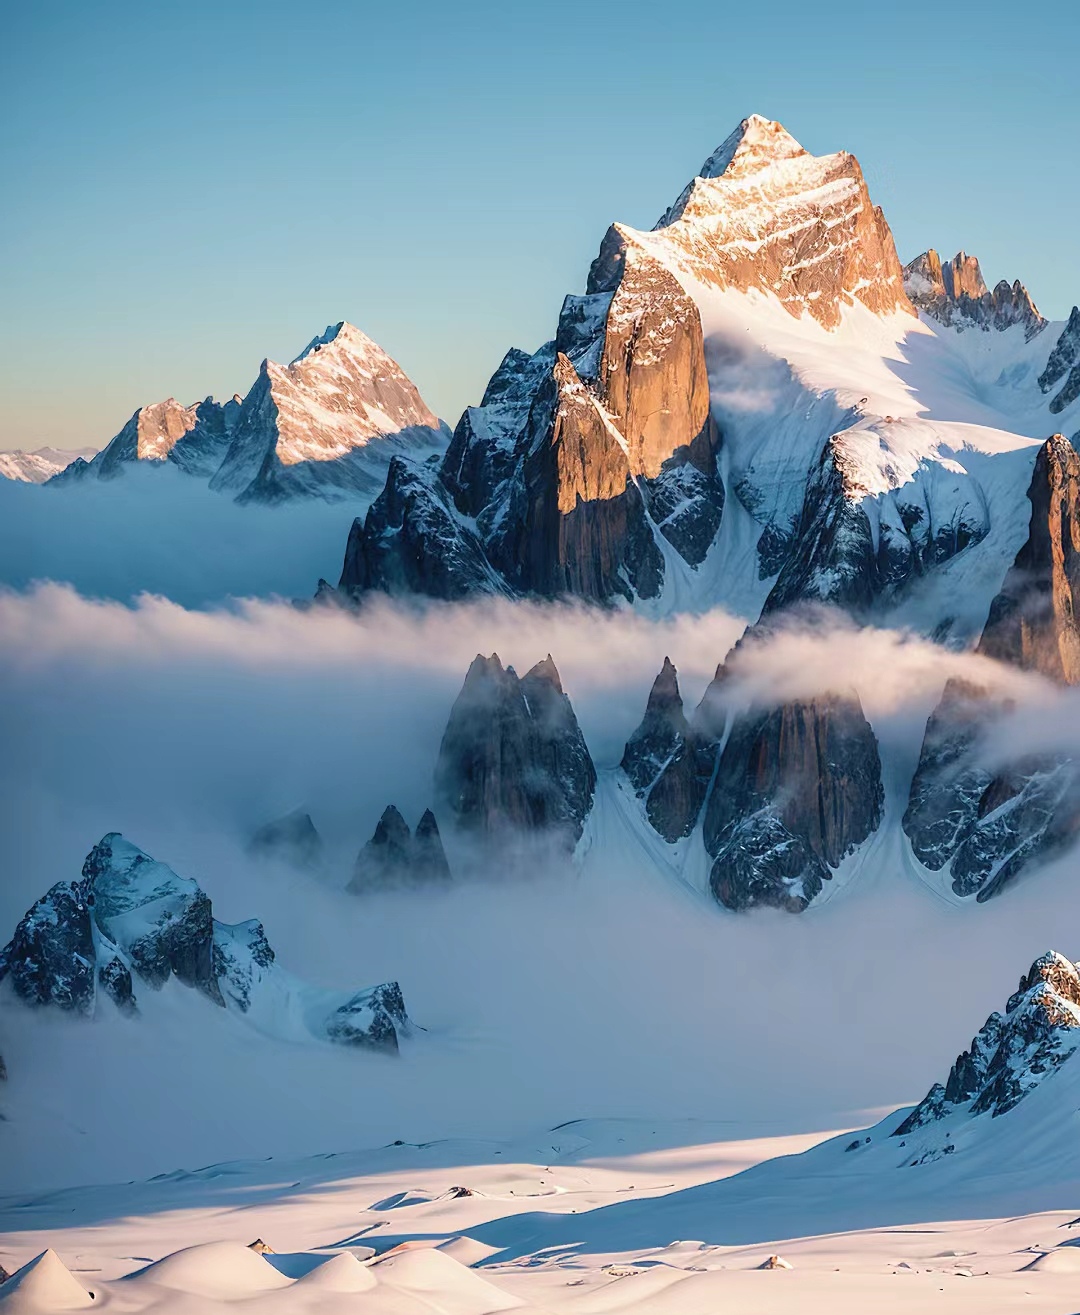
(191, 187)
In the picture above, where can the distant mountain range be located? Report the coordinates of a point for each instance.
(324, 425)
(41, 464)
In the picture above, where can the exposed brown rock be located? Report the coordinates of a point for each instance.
(652, 378)
(1033, 620)
(585, 530)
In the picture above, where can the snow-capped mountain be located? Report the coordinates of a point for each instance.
(131, 922)
(751, 405)
(40, 465)
(327, 422)
(324, 425)
(754, 406)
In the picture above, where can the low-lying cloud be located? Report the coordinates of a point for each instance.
(576, 993)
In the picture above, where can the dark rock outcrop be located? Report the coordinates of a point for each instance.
(674, 801)
(290, 839)
(371, 1020)
(954, 293)
(50, 959)
(414, 541)
(660, 735)
(986, 824)
(395, 858)
(990, 824)
(1063, 366)
(132, 918)
(1014, 1052)
(513, 759)
(784, 794)
(797, 789)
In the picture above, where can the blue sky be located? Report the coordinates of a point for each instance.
(190, 188)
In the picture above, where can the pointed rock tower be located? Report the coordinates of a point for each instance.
(513, 761)
(395, 858)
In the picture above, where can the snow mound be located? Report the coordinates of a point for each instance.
(223, 1270)
(432, 1273)
(467, 1250)
(341, 1273)
(1064, 1259)
(43, 1284)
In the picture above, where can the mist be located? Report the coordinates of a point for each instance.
(159, 530)
(558, 992)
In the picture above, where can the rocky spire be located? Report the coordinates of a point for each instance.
(513, 760)
(661, 733)
(1033, 620)
(395, 858)
(954, 293)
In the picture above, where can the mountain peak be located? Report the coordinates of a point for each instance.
(342, 335)
(755, 144)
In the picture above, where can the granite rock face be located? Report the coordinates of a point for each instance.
(954, 293)
(290, 839)
(413, 541)
(797, 789)
(513, 761)
(989, 825)
(579, 463)
(764, 214)
(1014, 1052)
(1033, 620)
(396, 858)
(131, 919)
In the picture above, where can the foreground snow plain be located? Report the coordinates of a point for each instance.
(596, 1216)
